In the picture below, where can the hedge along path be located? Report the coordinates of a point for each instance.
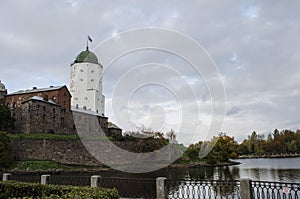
(12, 189)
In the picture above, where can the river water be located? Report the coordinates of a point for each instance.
(262, 169)
(273, 170)
(270, 169)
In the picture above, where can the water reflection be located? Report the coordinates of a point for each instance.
(255, 169)
(270, 169)
(213, 173)
(204, 182)
(184, 180)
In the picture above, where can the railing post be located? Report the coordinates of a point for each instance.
(245, 188)
(6, 176)
(45, 179)
(161, 189)
(95, 180)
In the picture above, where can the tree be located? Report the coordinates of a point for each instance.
(225, 148)
(171, 135)
(193, 151)
(6, 155)
(285, 141)
(255, 144)
(6, 121)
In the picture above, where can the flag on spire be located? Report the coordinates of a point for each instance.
(90, 39)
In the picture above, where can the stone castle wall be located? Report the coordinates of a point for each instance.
(39, 117)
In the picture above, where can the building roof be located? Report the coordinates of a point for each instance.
(86, 56)
(37, 98)
(36, 90)
(112, 125)
(89, 112)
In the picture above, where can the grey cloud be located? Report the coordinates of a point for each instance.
(255, 45)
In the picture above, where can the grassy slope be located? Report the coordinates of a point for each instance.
(46, 165)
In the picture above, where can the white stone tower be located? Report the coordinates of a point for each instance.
(86, 83)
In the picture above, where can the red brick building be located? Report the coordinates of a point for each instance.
(59, 95)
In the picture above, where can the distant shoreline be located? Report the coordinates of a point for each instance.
(269, 156)
(203, 164)
(104, 169)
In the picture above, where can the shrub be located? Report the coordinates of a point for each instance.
(12, 189)
(6, 154)
(6, 121)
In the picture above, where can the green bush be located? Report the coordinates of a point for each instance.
(6, 153)
(12, 189)
(6, 121)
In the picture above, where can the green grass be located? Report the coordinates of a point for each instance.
(43, 165)
(36, 165)
(43, 136)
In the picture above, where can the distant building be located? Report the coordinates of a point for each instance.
(113, 129)
(3, 91)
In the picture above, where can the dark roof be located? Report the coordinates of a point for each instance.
(36, 90)
(37, 98)
(111, 125)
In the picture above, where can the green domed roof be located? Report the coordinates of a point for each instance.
(87, 56)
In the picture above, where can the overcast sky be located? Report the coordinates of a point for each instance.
(255, 45)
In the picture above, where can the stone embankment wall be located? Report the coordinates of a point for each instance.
(63, 151)
(68, 151)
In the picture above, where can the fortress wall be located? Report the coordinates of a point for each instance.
(63, 151)
(68, 151)
(39, 117)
